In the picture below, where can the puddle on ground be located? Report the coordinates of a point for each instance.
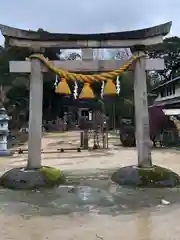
(86, 195)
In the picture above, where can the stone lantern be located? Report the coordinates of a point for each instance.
(4, 131)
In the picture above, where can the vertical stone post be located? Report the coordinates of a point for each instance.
(87, 55)
(35, 115)
(81, 139)
(85, 140)
(143, 143)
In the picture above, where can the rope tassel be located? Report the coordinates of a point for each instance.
(110, 88)
(63, 87)
(86, 92)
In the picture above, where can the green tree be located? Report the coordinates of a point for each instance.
(73, 56)
(170, 51)
(16, 86)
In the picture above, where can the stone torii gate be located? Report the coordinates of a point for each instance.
(138, 40)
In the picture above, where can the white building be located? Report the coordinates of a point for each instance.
(168, 96)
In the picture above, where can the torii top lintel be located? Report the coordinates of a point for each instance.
(33, 39)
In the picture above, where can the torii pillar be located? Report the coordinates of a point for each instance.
(142, 133)
(35, 115)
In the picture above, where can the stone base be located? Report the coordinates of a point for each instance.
(153, 177)
(21, 178)
(4, 153)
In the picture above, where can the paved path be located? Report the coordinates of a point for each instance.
(100, 159)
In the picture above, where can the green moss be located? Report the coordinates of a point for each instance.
(52, 175)
(154, 176)
(157, 176)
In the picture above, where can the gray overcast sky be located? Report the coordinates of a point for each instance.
(89, 16)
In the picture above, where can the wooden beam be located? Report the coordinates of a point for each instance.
(85, 66)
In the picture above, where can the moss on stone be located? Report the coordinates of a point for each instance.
(157, 176)
(29, 179)
(154, 176)
(52, 175)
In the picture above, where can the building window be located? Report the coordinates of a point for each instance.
(173, 88)
(168, 90)
(162, 92)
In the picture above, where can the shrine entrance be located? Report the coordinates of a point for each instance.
(105, 71)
